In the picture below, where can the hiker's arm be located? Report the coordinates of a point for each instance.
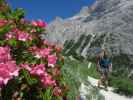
(110, 67)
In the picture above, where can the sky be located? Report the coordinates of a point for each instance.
(49, 9)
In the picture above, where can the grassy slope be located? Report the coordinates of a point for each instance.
(79, 72)
(75, 73)
(122, 85)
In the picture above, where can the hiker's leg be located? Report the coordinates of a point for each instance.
(103, 80)
(100, 80)
(106, 79)
(103, 77)
(106, 83)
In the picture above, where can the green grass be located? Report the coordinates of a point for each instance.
(121, 85)
(92, 72)
(76, 72)
(72, 80)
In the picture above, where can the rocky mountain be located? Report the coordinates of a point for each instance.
(106, 24)
(110, 19)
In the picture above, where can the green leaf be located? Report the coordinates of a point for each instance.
(17, 14)
(12, 42)
(5, 29)
(2, 42)
(30, 80)
(47, 94)
(9, 89)
(2, 16)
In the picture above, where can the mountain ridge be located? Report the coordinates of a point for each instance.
(112, 17)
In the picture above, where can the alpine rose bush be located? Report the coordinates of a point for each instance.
(30, 68)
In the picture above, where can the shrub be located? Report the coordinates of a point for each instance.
(29, 67)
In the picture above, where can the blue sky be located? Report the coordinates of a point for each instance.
(49, 9)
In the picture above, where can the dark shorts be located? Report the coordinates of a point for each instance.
(104, 72)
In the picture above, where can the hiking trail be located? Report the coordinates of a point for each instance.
(109, 95)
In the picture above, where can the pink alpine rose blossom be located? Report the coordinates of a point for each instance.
(25, 66)
(4, 54)
(12, 67)
(2, 22)
(23, 36)
(15, 30)
(52, 59)
(37, 54)
(33, 31)
(38, 70)
(58, 48)
(45, 52)
(56, 71)
(39, 23)
(34, 23)
(42, 53)
(24, 21)
(9, 36)
(57, 91)
(48, 81)
(7, 71)
(33, 49)
(4, 76)
(45, 42)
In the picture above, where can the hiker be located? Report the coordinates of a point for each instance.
(104, 67)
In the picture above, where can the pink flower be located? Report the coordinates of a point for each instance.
(56, 71)
(23, 36)
(15, 30)
(38, 70)
(4, 76)
(33, 49)
(25, 66)
(39, 23)
(12, 67)
(58, 48)
(57, 91)
(7, 71)
(52, 59)
(33, 31)
(48, 81)
(24, 21)
(4, 54)
(43, 52)
(2, 22)
(34, 23)
(45, 42)
(9, 35)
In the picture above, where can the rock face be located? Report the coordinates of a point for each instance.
(107, 23)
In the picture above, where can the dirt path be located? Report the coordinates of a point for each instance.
(109, 95)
